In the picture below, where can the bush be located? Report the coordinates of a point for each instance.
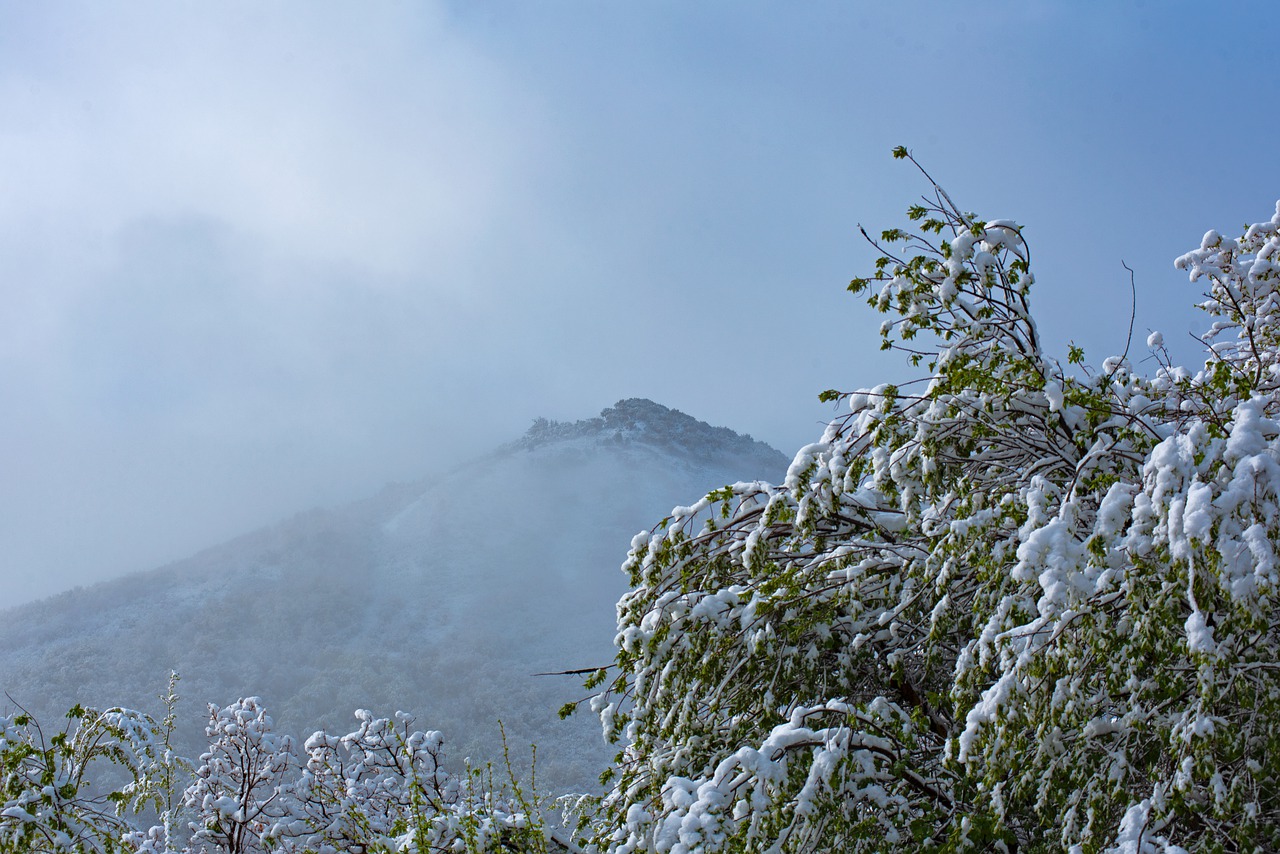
(1017, 605)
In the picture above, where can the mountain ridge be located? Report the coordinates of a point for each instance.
(439, 596)
(637, 421)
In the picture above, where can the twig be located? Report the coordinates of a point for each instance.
(1133, 312)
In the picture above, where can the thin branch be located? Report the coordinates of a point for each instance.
(1133, 311)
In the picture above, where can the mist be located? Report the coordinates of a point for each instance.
(461, 598)
(259, 258)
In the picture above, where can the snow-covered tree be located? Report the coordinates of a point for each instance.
(53, 797)
(241, 786)
(1015, 605)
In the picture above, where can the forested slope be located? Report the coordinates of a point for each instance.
(442, 597)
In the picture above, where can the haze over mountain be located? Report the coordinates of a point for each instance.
(440, 597)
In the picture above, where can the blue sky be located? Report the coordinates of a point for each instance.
(257, 257)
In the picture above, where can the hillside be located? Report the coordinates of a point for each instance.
(441, 597)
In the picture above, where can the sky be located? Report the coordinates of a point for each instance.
(261, 257)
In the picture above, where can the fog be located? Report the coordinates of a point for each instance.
(256, 258)
(434, 598)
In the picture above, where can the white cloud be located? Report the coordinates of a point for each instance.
(377, 137)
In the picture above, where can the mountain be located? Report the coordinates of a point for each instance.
(442, 597)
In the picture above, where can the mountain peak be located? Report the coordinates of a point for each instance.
(499, 568)
(642, 421)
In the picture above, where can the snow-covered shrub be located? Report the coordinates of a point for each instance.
(377, 790)
(385, 783)
(52, 792)
(380, 788)
(1017, 605)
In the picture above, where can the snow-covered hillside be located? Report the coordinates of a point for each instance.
(441, 597)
